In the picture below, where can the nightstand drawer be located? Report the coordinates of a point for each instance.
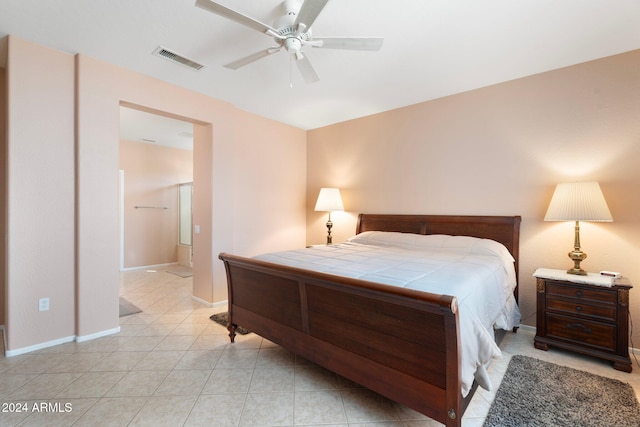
(600, 295)
(582, 331)
(576, 307)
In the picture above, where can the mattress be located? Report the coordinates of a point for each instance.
(480, 273)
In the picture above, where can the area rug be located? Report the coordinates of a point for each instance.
(126, 308)
(537, 393)
(181, 271)
(223, 319)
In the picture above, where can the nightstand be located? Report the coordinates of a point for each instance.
(586, 314)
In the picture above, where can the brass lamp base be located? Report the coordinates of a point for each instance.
(329, 226)
(576, 255)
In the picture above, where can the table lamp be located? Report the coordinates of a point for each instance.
(329, 200)
(578, 201)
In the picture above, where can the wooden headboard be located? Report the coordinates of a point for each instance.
(503, 229)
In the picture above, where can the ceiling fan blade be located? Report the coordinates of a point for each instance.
(306, 69)
(231, 14)
(351, 43)
(251, 58)
(309, 11)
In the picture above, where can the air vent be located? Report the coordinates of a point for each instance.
(186, 134)
(177, 58)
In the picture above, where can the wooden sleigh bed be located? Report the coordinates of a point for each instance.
(400, 343)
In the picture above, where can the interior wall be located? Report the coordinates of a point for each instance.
(152, 175)
(40, 194)
(203, 252)
(102, 88)
(3, 183)
(73, 254)
(500, 151)
(285, 200)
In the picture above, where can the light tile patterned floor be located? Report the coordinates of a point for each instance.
(172, 366)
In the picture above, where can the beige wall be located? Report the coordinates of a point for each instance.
(217, 138)
(3, 181)
(277, 220)
(71, 255)
(203, 252)
(152, 174)
(40, 194)
(102, 88)
(500, 151)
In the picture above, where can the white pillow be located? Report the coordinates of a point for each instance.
(390, 238)
(465, 244)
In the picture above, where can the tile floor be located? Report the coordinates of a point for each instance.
(172, 366)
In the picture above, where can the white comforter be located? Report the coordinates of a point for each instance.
(478, 272)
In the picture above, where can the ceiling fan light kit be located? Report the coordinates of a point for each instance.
(291, 31)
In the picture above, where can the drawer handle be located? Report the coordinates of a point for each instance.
(580, 326)
(578, 308)
(579, 294)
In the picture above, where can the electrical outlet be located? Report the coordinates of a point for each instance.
(43, 304)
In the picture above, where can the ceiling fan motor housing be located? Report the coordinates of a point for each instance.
(285, 26)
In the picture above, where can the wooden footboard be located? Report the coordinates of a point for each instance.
(400, 343)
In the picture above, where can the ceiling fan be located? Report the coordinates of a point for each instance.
(291, 31)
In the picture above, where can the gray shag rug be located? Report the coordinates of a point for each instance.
(223, 319)
(537, 393)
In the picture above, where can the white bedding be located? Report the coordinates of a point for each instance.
(478, 272)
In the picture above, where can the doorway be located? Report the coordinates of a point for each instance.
(155, 158)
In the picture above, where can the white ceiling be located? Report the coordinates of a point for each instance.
(432, 48)
(150, 128)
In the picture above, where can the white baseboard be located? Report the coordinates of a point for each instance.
(527, 327)
(147, 267)
(209, 304)
(221, 304)
(83, 338)
(29, 349)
